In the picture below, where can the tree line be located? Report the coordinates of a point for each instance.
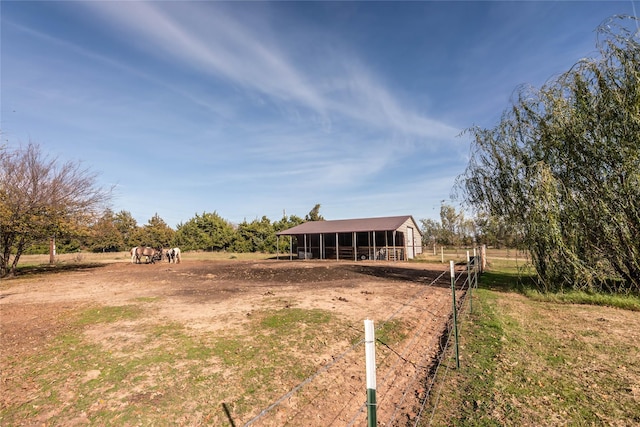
(208, 231)
(457, 230)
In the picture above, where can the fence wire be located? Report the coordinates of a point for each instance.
(471, 275)
(424, 370)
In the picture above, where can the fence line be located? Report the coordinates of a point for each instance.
(382, 396)
(472, 283)
(338, 358)
(419, 368)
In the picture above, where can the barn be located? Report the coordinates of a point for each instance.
(392, 238)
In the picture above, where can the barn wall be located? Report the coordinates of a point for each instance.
(417, 238)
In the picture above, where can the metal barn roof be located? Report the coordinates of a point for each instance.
(389, 223)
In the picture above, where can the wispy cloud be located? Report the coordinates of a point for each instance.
(211, 41)
(214, 42)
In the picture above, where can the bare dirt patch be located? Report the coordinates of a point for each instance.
(210, 301)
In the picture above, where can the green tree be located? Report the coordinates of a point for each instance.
(314, 214)
(493, 231)
(255, 236)
(41, 197)
(156, 234)
(208, 231)
(105, 236)
(431, 231)
(563, 168)
(453, 229)
(450, 221)
(284, 224)
(127, 227)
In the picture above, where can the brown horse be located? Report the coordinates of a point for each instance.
(151, 254)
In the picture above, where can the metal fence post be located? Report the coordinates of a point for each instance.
(370, 353)
(455, 310)
(469, 283)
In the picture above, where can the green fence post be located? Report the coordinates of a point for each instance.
(469, 283)
(455, 310)
(370, 353)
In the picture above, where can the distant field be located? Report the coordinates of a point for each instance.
(459, 254)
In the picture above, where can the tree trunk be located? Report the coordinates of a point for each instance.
(52, 250)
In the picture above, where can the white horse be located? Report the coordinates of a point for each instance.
(173, 255)
(134, 257)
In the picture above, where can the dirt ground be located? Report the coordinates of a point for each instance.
(213, 296)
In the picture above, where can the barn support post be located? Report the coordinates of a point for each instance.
(355, 246)
(305, 247)
(370, 359)
(324, 246)
(290, 248)
(395, 257)
(455, 311)
(406, 247)
(375, 257)
(321, 248)
(337, 248)
(386, 245)
(277, 248)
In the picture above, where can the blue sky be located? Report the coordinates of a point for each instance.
(258, 108)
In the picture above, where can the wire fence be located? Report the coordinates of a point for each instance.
(407, 372)
(470, 283)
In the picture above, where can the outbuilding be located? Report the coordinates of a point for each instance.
(392, 238)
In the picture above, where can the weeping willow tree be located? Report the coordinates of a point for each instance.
(563, 168)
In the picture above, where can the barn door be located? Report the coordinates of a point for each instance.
(410, 243)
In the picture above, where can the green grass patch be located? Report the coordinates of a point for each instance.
(626, 302)
(508, 276)
(271, 356)
(118, 371)
(467, 394)
(531, 359)
(285, 319)
(109, 314)
(391, 332)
